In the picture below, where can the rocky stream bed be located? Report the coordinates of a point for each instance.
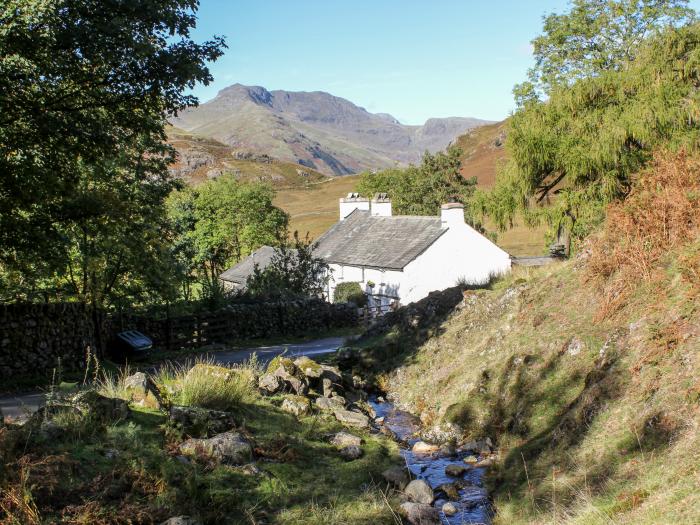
(453, 473)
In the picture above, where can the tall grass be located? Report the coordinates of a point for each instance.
(113, 384)
(206, 384)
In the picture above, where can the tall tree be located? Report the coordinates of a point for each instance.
(222, 221)
(85, 90)
(579, 150)
(596, 36)
(422, 189)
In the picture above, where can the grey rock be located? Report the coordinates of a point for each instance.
(270, 384)
(99, 407)
(397, 476)
(331, 373)
(330, 403)
(182, 520)
(419, 491)
(229, 447)
(451, 490)
(327, 386)
(344, 439)
(351, 452)
(351, 418)
(309, 367)
(295, 384)
(449, 509)
(471, 459)
(419, 514)
(299, 406)
(455, 471)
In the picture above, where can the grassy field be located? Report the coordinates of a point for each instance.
(314, 209)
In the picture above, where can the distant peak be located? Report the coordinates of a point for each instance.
(257, 94)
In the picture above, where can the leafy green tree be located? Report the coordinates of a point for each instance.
(85, 90)
(293, 272)
(573, 154)
(219, 222)
(596, 36)
(422, 189)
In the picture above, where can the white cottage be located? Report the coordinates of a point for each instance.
(401, 259)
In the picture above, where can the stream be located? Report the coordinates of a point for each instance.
(473, 505)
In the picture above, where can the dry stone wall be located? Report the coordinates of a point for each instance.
(34, 337)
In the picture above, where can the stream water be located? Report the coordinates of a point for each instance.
(473, 505)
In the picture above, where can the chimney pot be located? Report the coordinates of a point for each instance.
(351, 203)
(381, 205)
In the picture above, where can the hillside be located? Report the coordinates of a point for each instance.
(483, 149)
(200, 159)
(316, 129)
(586, 374)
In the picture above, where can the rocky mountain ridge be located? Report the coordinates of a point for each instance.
(316, 129)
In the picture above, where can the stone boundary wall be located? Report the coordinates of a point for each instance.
(34, 337)
(240, 321)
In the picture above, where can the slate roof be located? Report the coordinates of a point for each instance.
(378, 242)
(239, 273)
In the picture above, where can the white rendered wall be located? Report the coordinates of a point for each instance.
(461, 253)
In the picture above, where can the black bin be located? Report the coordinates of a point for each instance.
(128, 345)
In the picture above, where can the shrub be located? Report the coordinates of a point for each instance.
(660, 214)
(350, 292)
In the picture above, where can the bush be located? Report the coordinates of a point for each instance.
(350, 292)
(659, 215)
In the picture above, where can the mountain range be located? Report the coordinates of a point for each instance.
(316, 129)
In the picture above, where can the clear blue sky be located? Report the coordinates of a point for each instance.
(414, 59)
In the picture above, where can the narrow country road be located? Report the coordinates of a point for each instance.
(20, 406)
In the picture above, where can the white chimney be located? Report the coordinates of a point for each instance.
(381, 205)
(452, 214)
(351, 203)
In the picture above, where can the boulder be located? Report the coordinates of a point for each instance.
(310, 368)
(229, 447)
(421, 447)
(351, 418)
(181, 520)
(471, 459)
(330, 403)
(297, 405)
(451, 490)
(449, 509)
(419, 514)
(327, 387)
(201, 422)
(331, 373)
(397, 476)
(351, 452)
(284, 362)
(299, 386)
(99, 407)
(141, 389)
(419, 491)
(344, 439)
(456, 471)
(270, 384)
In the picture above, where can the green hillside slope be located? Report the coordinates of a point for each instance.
(587, 374)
